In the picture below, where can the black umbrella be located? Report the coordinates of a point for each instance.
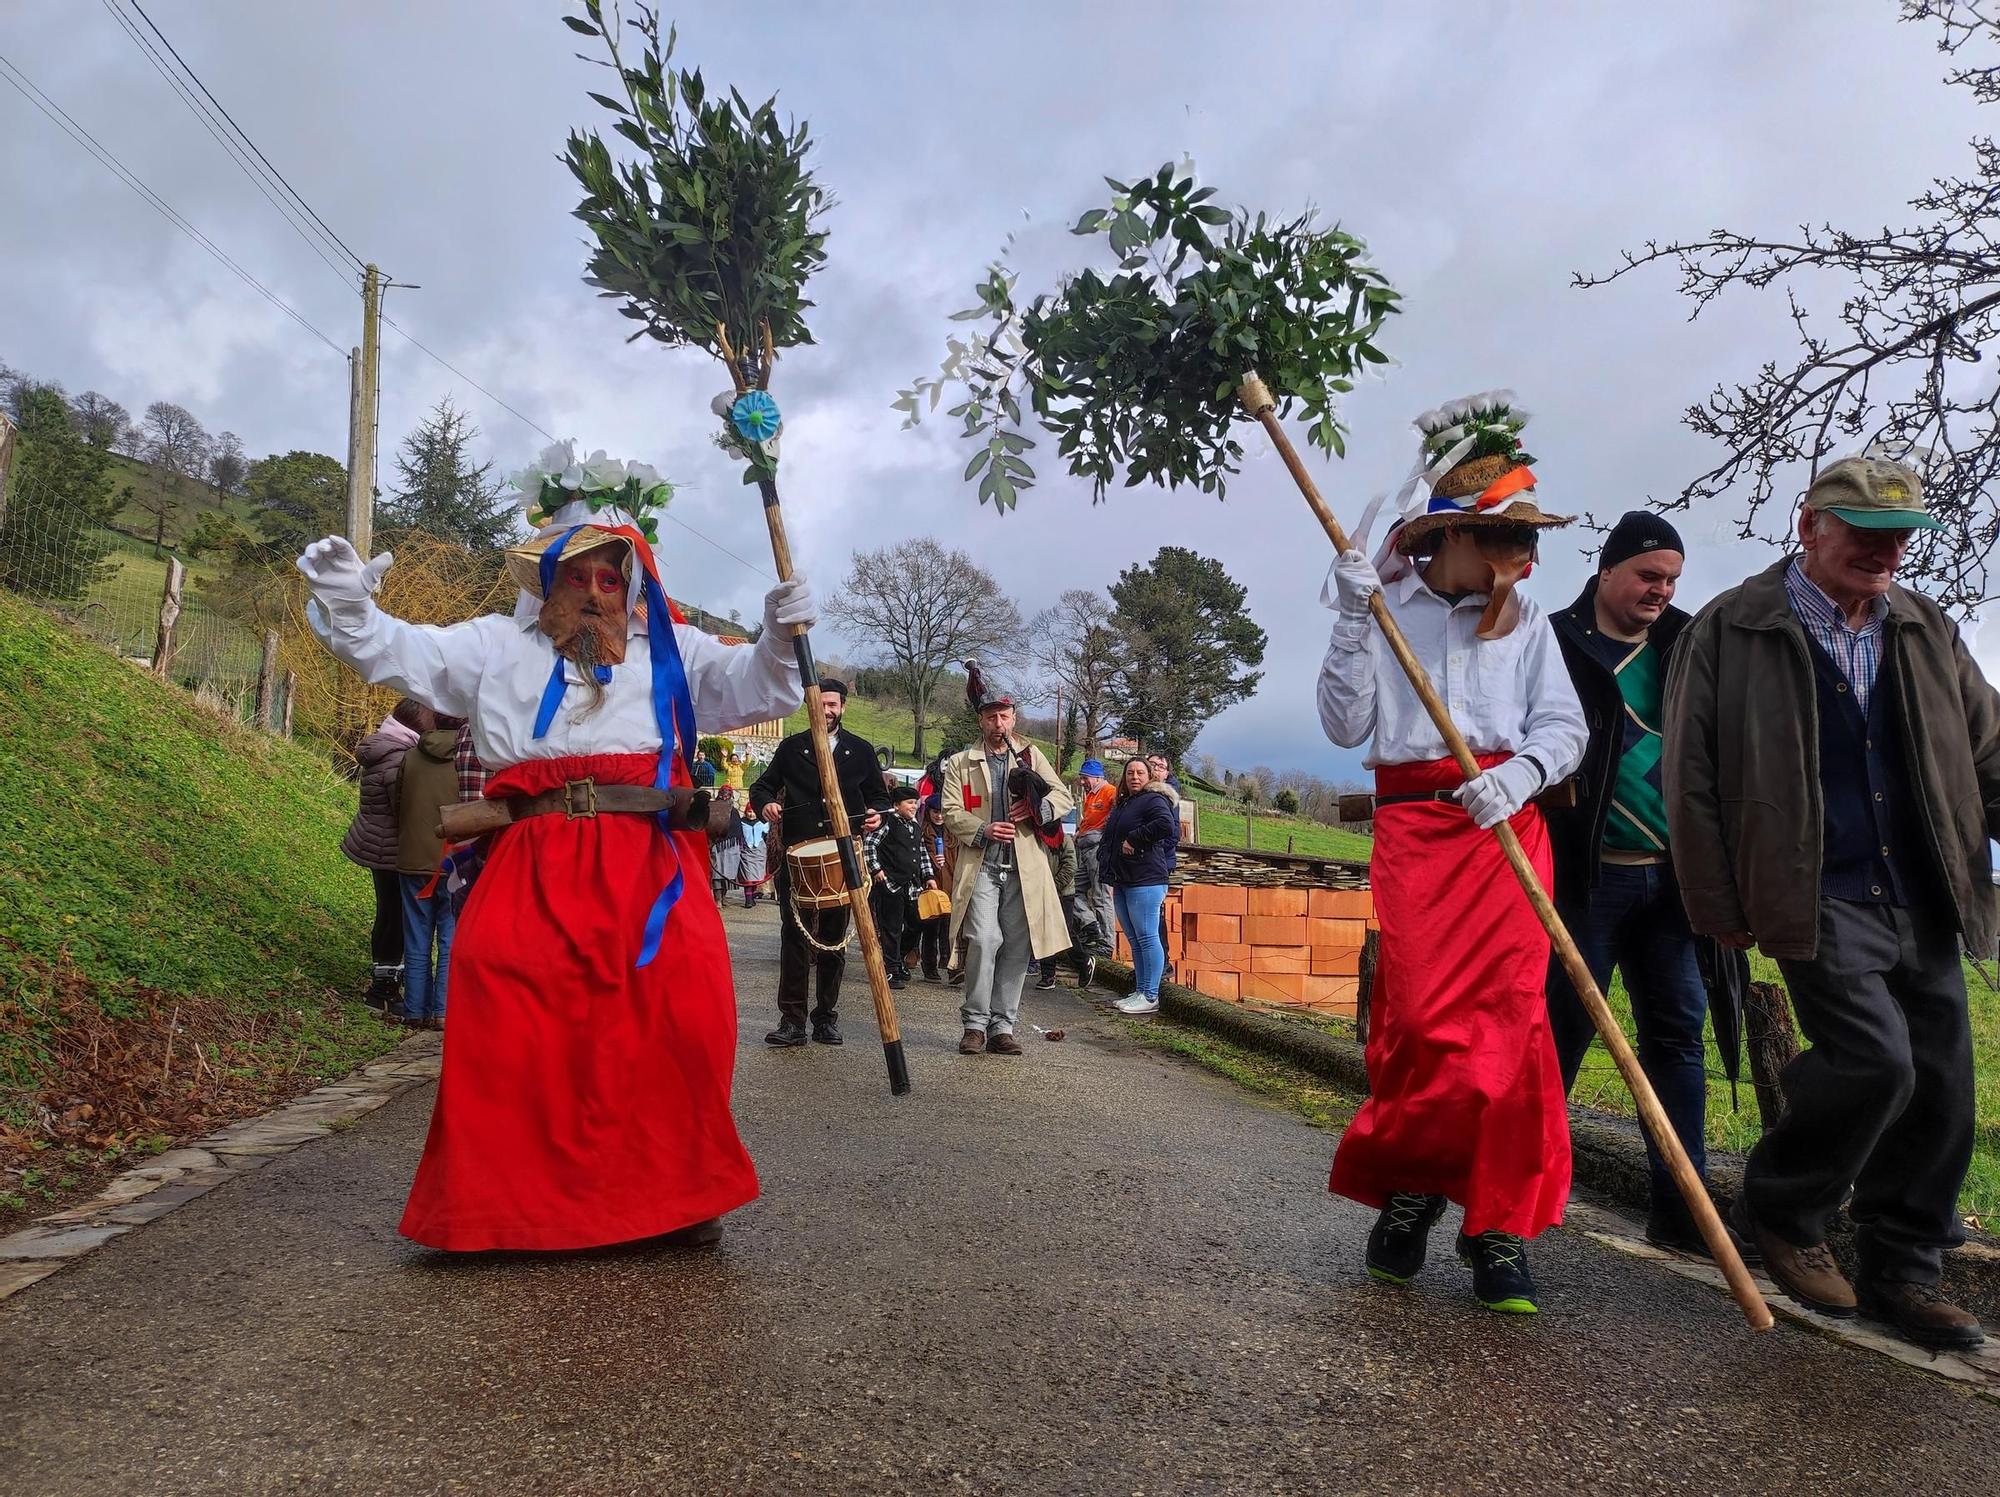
(1725, 972)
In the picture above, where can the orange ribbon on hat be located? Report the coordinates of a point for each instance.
(1505, 487)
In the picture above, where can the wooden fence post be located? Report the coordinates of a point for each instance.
(267, 682)
(291, 690)
(7, 449)
(1773, 1044)
(170, 612)
(1371, 950)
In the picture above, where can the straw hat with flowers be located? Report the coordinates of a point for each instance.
(1479, 476)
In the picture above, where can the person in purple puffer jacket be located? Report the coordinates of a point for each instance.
(371, 842)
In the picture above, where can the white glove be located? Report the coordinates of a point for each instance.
(1354, 582)
(337, 578)
(1497, 794)
(789, 604)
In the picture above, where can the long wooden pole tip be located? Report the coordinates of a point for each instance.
(1255, 394)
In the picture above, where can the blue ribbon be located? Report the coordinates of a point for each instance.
(673, 712)
(673, 709)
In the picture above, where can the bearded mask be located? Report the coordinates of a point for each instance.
(584, 614)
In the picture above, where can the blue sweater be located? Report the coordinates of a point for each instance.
(1152, 824)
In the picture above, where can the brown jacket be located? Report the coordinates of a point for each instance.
(1741, 767)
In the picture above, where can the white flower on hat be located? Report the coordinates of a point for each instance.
(648, 476)
(602, 472)
(1456, 411)
(1430, 422)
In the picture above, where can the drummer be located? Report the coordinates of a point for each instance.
(789, 791)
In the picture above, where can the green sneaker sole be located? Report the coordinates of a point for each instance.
(1514, 1306)
(1383, 1276)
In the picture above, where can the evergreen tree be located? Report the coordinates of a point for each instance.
(1191, 649)
(50, 543)
(442, 493)
(301, 497)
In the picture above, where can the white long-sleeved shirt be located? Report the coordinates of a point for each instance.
(494, 669)
(1508, 696)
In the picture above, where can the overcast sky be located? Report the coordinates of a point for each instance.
(1485, 152)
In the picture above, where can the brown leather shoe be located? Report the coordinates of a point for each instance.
(1004, 1044)
(1921, 1313)
(1808, 1274)
(972, 1042)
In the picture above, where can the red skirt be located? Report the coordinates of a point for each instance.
(1465, 1097)
(584, 1100)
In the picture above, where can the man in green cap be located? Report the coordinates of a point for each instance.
(1832, 772)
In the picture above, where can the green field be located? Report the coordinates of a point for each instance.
(1220, 824)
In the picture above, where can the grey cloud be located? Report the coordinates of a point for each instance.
(1486, 152)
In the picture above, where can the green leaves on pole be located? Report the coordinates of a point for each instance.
(1135, 372)
(708, 236)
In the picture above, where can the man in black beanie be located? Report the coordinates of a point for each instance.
(1614, 880)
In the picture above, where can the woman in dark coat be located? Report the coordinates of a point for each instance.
(371, 842)
(1136, 858)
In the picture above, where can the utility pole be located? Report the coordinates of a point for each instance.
(364, 401)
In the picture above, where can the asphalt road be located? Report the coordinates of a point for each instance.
(1090, 1269)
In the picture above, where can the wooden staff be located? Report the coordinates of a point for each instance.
(1257, 401)
(829, 783)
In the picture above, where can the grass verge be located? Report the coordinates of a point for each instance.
(177, 925)
(1300, 1090)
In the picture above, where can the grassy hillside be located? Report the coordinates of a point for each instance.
(177, 925)
(882, 724)
(1221, 825)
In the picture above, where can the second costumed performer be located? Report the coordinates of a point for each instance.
(587, 1070)
(1466, 1100)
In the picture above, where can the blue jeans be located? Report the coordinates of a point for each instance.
(1635, 922)
(425, 921)
(1138, 907)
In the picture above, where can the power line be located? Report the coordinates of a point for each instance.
(27, 89)
(235, 151)
(359, 262)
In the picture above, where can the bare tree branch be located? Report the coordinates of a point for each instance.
(922, 609)
(1921, 308)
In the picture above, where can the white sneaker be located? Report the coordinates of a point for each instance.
(1138, 1003)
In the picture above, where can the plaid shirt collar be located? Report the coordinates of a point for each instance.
(1857, 652)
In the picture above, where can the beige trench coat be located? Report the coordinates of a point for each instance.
(967, 810)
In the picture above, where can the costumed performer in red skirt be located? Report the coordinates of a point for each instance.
(1466, 1100)
(585, 1092)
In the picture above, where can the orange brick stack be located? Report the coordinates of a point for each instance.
(1296, 947)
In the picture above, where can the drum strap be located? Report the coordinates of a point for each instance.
(792, 908)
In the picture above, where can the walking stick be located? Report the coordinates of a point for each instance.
(716, 227)
(829, 783)
(1257, 401)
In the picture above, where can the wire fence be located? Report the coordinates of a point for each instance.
(111, 586)
(214, 624)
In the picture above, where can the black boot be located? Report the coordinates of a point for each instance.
(788, 1033)
(1401, 1237)
(1500, 1277)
